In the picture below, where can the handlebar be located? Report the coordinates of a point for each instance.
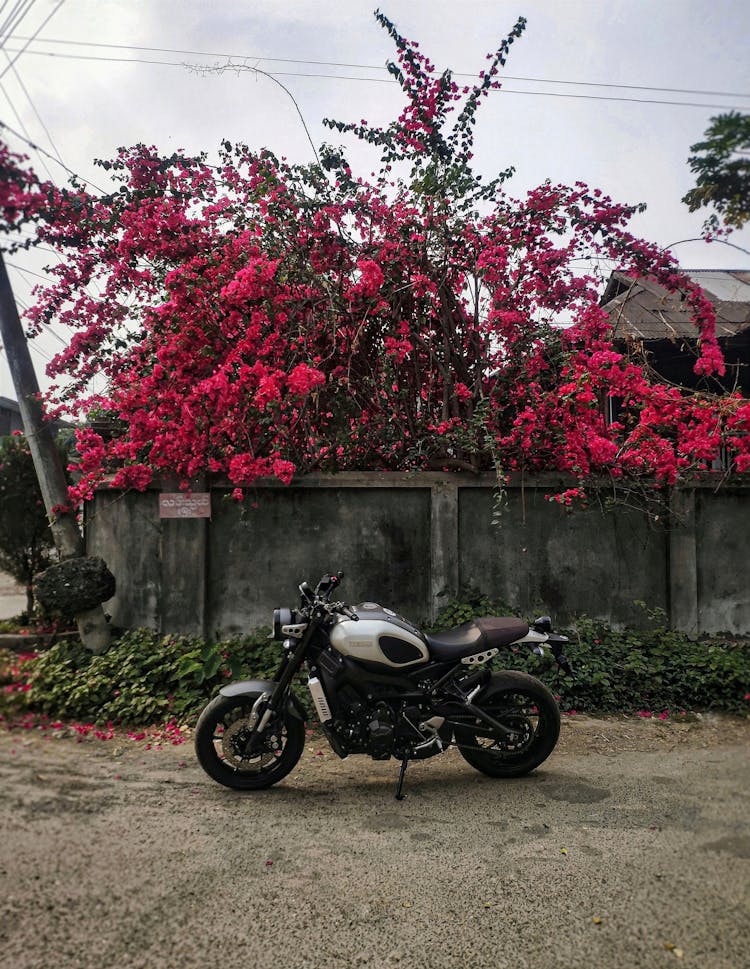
(327, 584)
(322, 595)
(345, 610)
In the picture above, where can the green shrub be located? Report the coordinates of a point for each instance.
(626, 671)
(468, 605)
(15, 624)
(144, 677)
(147, 678)
(26, 544)
(655, 670)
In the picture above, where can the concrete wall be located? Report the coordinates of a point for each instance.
(722, 555)
(412, 541)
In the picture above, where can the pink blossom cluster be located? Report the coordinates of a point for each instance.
(258, 319)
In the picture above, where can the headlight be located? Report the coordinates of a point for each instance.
(281, 617)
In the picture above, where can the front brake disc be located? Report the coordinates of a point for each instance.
(231, 742)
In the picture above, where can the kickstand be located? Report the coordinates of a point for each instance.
(400, 786)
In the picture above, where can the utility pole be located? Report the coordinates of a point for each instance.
(92, 624)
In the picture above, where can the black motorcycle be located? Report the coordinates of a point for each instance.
(381, 687)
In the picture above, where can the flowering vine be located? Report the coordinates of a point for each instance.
(254, 318)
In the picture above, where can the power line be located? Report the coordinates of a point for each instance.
(375, 67)
(14, 18)
(387, 80)
(41, 26)
(41, 353)
(48, 326)
(30, 272)
(25, 306)
(19, 119)
(34, 108)
(57, 161)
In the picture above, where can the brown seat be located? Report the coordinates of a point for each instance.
(489, 632)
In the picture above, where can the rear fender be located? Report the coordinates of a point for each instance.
(256, 687)
(532, 636)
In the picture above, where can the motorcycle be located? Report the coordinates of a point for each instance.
(381, 687)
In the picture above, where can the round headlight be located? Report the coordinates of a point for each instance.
(281, 617)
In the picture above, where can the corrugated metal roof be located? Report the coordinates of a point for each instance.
(732, 286)
(645, 310)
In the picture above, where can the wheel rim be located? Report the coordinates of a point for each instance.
(231, 734)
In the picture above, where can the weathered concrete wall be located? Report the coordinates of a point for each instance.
(125, 530)
(722, 543)
(413, 541)
(544, 560)
(258, 556)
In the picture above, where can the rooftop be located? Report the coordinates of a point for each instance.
(645, 310)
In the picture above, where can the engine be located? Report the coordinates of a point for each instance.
(362, 712)
(385, 728)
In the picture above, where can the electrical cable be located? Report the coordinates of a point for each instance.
(388, 80)
(41, 26)
(41, 353)
(14, 18)
(30, 272)
(379, 67)
(38, 148)
(19, 119)
(48, 326)
(34, 109)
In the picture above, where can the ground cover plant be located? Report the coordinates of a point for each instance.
(650, 671)
(147, 678)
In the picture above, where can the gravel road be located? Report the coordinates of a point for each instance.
(628, 848)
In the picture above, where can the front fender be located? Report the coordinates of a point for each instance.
(256, 687)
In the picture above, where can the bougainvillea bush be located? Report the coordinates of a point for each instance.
(253, 318)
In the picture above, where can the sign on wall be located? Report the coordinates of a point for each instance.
(196, 504)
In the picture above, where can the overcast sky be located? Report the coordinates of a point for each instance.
(90, 102)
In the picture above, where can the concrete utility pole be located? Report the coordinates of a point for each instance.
(92, 624)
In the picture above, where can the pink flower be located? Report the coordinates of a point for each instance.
(304, 379)
(371, 277)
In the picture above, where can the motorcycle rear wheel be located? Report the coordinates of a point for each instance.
(524, 704)
(220, 735)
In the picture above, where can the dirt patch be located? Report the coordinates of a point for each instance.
(581, 733)
(631, 839)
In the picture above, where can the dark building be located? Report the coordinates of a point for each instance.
(10, 417)
(648, 319)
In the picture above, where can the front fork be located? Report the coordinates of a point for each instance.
(270, 704)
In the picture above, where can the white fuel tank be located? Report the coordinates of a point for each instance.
(380, 637)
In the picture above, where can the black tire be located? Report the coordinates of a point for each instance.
(520, 701)
(221, 759)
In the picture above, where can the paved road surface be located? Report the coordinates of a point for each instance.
(112, 856)
(12, 597)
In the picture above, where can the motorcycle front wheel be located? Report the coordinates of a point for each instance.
(221, 744)
(528, 709)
